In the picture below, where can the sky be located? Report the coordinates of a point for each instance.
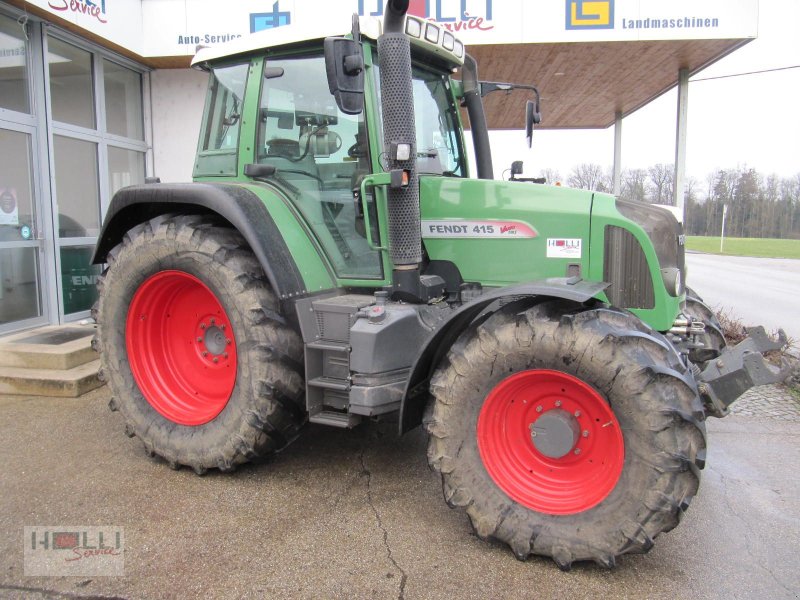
(752, 121)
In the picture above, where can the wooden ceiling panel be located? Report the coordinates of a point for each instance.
(583, 85)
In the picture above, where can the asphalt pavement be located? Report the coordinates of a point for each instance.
(761, 291)
(358, 514)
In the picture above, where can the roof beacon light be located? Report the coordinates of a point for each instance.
(448, 41)
(432, 33)
(413, 27)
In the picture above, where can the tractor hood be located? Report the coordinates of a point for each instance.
(502, 232)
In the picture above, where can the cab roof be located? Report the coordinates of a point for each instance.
(371, 28)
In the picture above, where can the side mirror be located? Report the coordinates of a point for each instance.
(532, 116)
(344, 63)
(516, 168)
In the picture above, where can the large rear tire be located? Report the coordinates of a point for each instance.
(199, 360)
(625, 426)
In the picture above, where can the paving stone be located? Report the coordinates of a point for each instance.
(769, 402)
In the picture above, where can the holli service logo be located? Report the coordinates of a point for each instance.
(96, 9)
(590, 14)
(469, 15)
(74, 550)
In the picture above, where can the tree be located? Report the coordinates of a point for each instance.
(693, 209)
(758, 206)
(552, 176)
(633, 185)
(589, 176)
(661, 184)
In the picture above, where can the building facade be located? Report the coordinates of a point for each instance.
(96, 95)
(72, 132)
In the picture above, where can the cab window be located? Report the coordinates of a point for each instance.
(439, 150)
(219, 136)
(319, 154)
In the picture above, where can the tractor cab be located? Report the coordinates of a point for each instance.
(317, 151)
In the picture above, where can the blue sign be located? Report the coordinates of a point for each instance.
(102, 5)
(270, 20)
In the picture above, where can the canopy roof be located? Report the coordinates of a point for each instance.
(584, 85)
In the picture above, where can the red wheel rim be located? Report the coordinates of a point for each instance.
(577, 481)
(181, 348)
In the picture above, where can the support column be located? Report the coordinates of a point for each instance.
(680, 139)
(618, 154)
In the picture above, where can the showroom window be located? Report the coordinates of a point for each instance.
(98, 148)
(72, 133)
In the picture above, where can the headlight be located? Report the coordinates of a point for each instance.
(673, 281)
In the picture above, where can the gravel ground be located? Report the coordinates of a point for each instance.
(357, 514)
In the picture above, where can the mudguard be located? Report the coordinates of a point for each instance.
(416, 392)
(240, 207)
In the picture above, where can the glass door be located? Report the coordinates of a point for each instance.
(23, 299)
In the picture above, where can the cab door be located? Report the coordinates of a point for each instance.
(320, 154)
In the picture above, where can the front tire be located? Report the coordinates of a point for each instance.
(201, 364)
(639, 432)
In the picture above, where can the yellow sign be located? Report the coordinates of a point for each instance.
(590, 14)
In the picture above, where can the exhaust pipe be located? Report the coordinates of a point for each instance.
(397, 106)
(400, 145)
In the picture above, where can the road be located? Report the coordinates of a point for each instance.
(760, 291)
(358, 514)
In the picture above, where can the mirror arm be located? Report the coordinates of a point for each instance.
(487, 87)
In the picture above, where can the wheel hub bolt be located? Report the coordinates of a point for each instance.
(202, 325)
(205, 353)
(538, 409)
(216, 359)
(585, 433)
(577, 413)
(222, 327)
(199, 339)
(577, 451)
(558, 402)
(224, 355)
(212, 321)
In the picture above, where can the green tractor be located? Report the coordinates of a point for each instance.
(333, 261)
